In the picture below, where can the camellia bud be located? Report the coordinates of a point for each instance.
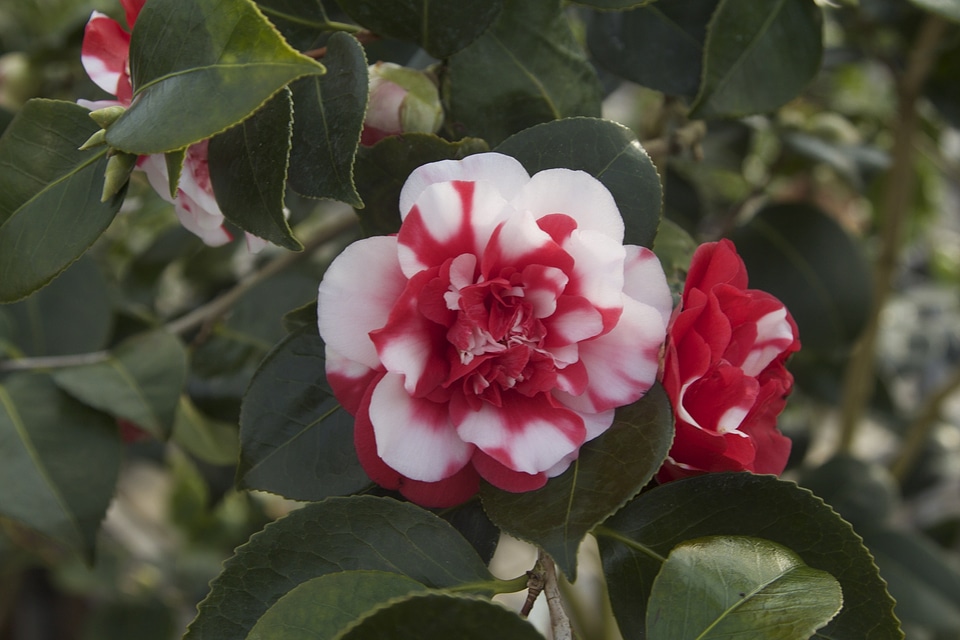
(108, 115)
(97, 139)
(119, 167)
(402, 100)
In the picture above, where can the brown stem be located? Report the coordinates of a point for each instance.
(559, 621)
(895, 208)
(534, 589)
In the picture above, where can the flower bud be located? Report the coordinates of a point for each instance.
(119, 167)
(108, 115)
(402, 100)
(97, 139)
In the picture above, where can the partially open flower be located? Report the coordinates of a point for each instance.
(495, 334)
(402, 100)
(725, 372)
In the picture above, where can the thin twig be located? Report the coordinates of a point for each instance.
(896, 208)
(922, 426)
(54, 362)
(534, 589)
(559, 621)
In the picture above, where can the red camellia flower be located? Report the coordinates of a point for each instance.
(105, 55)
(495, 334)
(724, 370)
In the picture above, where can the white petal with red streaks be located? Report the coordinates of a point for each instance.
(598, 268)
(576, 194)
(444, 224)
(518, 242)
(503, 171)
(414, 436)
(575, 320)
(596, 424)
(774, 336)
(623, 363)
(368, 267)
(104, 52)
(541, 287)
(347, 378)
(525, 434)
(644, 280)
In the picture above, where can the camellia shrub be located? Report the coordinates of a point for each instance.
(398, 263)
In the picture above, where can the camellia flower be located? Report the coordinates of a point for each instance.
(402, 100)
(105, 55)
(724, 370)
(495, 333)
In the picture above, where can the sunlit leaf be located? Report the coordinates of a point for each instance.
(212, 441)
(199, 67)
(947, 8)
(50, 208)
(610, 470)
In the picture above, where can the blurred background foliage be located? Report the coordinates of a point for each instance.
(807, 193)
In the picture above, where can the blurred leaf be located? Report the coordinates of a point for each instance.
(442, 28)
(949, 9)
(658, 46)
(209, 440)
(610, 470)
(508, 80)
(739, 587)
(70, 316)
(338, 534)
(59, 461)
(382, 169)
(941, 86)
(758, 56)
(321, 608)
(437, 616)
(800, 255)
(606, 150)
(295, 439)
(742, 504)
(329, 119)
(248, 170)
(198, 68)
(303, 316)
(140, 381)
(50, 209)
(858, 164)
(143, 620)
(674, 248)
(864, 494)
(613, 5)
(923, 579)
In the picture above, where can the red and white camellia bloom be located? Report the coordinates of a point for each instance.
(105, 55)
(724, 370)
(495, 333)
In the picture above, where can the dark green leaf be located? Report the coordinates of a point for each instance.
(199, 67)
(295, 439)
(610, 470)
(209, 440)
(799, 254)
(303, 316)
(947, 8)
(526, 69)
(383, 168)
(329, 118)
(941, 86)
(634, 541)
(442, 28)
(50, 208)
(140, 381)
(339, 534)
(302, 22)
(59, 461)
(320, 608)
(739, 587)
(658, 46)
(864, 494)
(758, 56)
(442, 617)
(72, 315)
(473, 524)
(606, 150)
(674, 248)
(248, 170)
(613, 5)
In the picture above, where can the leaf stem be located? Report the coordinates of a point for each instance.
(54, 362)
(633, 544)
(491, 586)
(895, 208)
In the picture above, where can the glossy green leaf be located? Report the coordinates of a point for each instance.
(198, 67)
(71, 315)
(610, 470)
(338, 534)
(212, 441)
(140, 381)
(475, 526)
(758, 56)
(329, 119)
(659, 45)
(248, 170)
(383, 168)
(295, 439)
(802, 256)
(508, 80)
(59, 461)
(606, 150)
(302, 22)
(739, 587)
(949, 9)
(320, 608)
(442, 28)
(50, 208)
(635, 540)
(437, 616)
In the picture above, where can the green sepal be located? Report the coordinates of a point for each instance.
(119, 167)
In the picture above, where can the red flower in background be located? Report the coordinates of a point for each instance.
(724, 370)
